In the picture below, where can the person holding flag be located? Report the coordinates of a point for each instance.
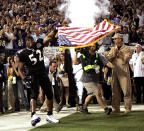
(92, 63)
(80, 37)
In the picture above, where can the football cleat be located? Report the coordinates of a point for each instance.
(85, 111)
(51, 119)
(108, 110)
(35, 119)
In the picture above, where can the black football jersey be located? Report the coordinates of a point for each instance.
(33, 59)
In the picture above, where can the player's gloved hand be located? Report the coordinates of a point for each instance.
(27, 82)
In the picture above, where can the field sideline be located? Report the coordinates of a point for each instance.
(21, 121)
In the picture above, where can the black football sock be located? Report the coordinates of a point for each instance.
(32, 113)
(49, 113)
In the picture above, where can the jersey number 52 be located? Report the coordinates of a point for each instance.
(34, 59)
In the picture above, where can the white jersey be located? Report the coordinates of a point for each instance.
(137, 64)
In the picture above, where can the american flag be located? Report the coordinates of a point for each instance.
(78, 37)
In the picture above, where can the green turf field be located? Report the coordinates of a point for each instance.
(98, 121)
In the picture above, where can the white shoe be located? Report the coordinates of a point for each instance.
(34, 120)
(51, 119)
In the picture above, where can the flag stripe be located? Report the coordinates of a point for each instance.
(80, 37)
(84, 38)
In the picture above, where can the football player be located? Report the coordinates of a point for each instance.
(32, 57)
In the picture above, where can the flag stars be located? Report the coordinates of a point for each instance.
(63, 41)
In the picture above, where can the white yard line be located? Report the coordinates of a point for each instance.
(21, 121)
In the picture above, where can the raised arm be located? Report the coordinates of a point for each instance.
(49, 37)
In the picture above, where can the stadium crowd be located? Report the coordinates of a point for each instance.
(41, 18)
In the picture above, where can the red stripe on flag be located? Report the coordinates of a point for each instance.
(103, 25)
(84, 36)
